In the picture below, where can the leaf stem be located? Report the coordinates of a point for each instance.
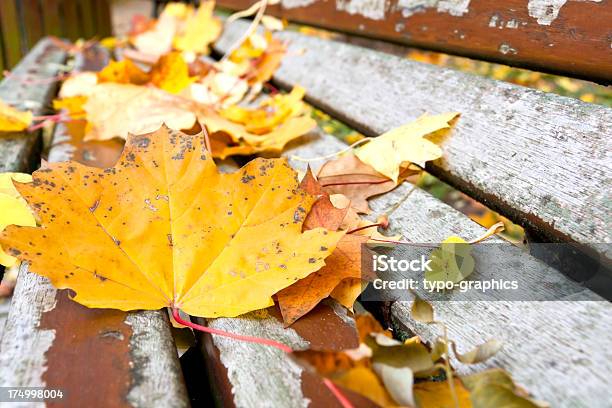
(259, 340)
(365, 227)
(240, 337)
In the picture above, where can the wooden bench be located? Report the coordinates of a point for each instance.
(557, 191)
(555, 186)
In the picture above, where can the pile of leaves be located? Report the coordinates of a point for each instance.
(165, 228)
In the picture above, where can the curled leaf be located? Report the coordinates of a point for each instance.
(479, 354)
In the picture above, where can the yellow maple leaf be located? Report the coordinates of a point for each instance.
(200, 30)
(171, 73)
(163, 228)
(123, 72)
(406, 144)
(73, 105)
(13, 120)
(271, 113)
(13, 209)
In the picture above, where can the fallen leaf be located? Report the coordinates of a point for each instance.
(480, 353)
(301, 297)
(13, 209)
(163, 228)
(451, 262)
(323, 213)
(158, 40)
(347, 291)
(73, 105)
(363, 381)
(123, 72)
(422, 311)
(13, 120)
(79, 84)
(356, 180)
(495, 388)
(398, 382)
(271, 113)
(200, 30)
(391, 151)
(437, 394)
(115, 110)
(171, 73)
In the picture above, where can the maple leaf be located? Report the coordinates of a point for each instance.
(394, 149)
(123, 72)
(13, 120)
(13, 209)
(271, 112)
(229, 138)
(345, 262)
(115, 110)
(200, 30)
(171, 73)
(163, 228)
(356, 180)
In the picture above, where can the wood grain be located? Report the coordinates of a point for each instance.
(547, 346)
(541, 159)
(571, 38)
(98, 357)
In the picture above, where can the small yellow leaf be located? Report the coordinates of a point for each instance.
(123, 72)
(13, 209)
(171, 73)
(73, 105)
(13, 120)
(406, 144)
(363, 381)
(200, 30)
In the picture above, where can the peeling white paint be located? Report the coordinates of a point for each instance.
(507, 49)
(497, 22)
(289, 4)
(547, 11)
(372, 9)
(453, 7)
(512, 24)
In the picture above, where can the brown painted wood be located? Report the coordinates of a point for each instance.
(51, 17)
(102, 14)
(89, 23)
(521, 33)
(31, 21)
(72, 22)
(11, 35)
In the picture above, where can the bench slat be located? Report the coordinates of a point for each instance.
(541, 159)
(254, 375)
(547, 346)
(102, 355)
(531, 34)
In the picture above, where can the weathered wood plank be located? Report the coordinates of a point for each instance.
(102, 355)
(18, 150)
(541, 159)
(547, 346)
(571, 38)
(254, 375)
